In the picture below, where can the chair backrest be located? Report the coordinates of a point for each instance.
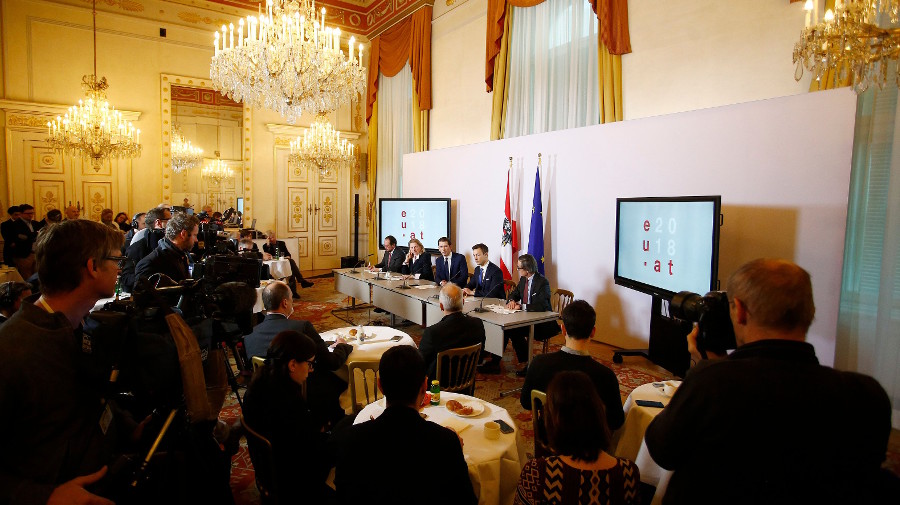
(508, 285)
(363, 379)
(456, 369)
(541, 445)
(263, 459)
(257, 362)
(560, 299)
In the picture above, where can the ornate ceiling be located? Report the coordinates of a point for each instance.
(359, 17)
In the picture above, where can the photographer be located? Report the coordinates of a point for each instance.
(768, 424)
(59, 430)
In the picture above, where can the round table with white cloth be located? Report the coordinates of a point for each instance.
(494, 465)
(9, 274)
(279, 269)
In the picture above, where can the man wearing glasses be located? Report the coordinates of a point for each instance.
(323, 387)
(145, 241)
(172, 256)
(63, 430)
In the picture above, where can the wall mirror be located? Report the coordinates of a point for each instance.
(215, 124)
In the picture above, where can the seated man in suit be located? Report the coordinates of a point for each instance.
(323, 387)
(274, 248)
(453, 331)
(392, 261)
(450, 266)
(417, 261)
(532, 294)
(396, 457)
(487, 281)
(578, 321)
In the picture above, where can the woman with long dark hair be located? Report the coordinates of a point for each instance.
(274, 407)
(581, 471)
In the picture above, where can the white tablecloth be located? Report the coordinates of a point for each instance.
(279, 269)
(631, 443)
(494, 465)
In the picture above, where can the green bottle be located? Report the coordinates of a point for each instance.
(435, 392)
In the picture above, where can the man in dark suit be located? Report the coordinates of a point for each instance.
(450, 266)
(487, 281)
(323, 387)
(275, 248)
(578, 321)
(172, 256)
(532, 294)
(155, 221)
(6, 229)
(453, 331)
(396, 457)
(392, 261)
(418, 261)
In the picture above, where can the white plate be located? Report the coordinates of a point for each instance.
(477, 409)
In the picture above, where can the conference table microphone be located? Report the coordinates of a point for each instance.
(483, 296)
(359, 263)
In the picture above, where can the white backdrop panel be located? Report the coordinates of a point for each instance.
(781, 165)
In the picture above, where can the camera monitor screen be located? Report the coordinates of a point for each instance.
(667, 245)
(426, 219)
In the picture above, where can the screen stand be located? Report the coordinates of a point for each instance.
(668, 340)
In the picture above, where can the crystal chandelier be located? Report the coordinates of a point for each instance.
(217, 170)
(322, 147)
(92, 128)
(286, 60)
(184, 155)
(855, 43)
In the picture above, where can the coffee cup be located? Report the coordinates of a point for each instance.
(669, 388)
(491, 430)
(416, 276)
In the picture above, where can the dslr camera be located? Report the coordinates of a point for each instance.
(710, 312)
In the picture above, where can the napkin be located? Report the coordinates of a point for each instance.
(455, 424)
(424, 287)
(499, 309)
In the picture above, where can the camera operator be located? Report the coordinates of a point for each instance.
(155, 221)
(60, 432)
(769, 424)
(172, 256)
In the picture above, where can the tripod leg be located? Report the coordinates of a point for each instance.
(229, 373)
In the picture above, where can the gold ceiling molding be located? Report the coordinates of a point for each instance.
(125, 5)
(193, 17)
(29, 121)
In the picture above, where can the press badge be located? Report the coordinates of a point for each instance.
(105, 418)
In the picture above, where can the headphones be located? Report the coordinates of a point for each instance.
(135, 222)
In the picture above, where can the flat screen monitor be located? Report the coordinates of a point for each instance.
(666, 245)
(426, 219)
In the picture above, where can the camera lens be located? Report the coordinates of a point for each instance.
(687, 306)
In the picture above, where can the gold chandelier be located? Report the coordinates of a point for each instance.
(286, 60)
(184, 155)
(217, 170)
(322, 147)
(93, 128)
(855, 43)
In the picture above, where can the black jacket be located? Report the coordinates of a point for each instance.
(451, 332)
(280, 247)
(136, 252)
(166, 259)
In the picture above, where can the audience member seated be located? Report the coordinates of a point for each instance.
(11, 296)
(274, 407)
(417, 261)
(172, 256)
(324, 388)
(72, 213)
(487, 280)
(145, 241)
(578, 320)
(247, 249)
(454, 330)
(137, 224)
(400, 457)
(277, 248)
(768, 423)
(532, 294)
(450, 266)
(580, 471)
(121, 221)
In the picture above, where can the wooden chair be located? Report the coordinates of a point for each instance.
(458, 374)
(257, 362)
(263, 459)
(541, 445)
(559, 300)
(368, 379)
(508, 285)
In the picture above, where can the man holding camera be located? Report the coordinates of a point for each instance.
(768, 424)
(59, 429)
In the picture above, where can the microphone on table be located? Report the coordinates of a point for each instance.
(359, 263)
(483, 296)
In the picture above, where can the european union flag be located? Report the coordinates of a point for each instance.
(536, 235)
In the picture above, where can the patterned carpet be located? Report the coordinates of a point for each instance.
(316, 305)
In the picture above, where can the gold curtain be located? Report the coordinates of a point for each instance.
(609, 71)
(420, 124)
(501, 63)
(371, 180)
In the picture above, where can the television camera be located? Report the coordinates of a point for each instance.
(710, 312)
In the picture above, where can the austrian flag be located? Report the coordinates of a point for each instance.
(509, 244)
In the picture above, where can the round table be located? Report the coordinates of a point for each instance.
(368, 350)
(279, 269)
(494, 465)
(9, 274)
(631, 440)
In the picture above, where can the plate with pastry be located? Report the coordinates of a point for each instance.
(465, 408)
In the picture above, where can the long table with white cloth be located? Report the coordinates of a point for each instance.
(419, 303)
